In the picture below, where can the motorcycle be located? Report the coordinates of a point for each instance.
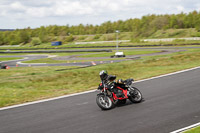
(109, 98)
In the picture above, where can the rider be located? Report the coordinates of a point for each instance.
(109, 81)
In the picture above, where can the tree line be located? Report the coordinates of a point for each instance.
(140, 27)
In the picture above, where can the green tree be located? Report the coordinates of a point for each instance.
(173, 21)
(1, 38)
(159, 22)
(43, 35)
(23, 37)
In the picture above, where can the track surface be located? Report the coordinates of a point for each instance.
(74, 57)
(171, 103)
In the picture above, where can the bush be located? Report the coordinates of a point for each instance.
(135, 40)
(197, 34)
(14, 43)
(179, 40)
(109, 37)
(69, 38)
(97, 37)
(82, 38)
(35, 41)
(61, 38)
(177, 33)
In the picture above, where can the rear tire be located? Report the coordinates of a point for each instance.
(104, 102)
(136, 97)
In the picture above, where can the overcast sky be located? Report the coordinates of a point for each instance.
(36, 13)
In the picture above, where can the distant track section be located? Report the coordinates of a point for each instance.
(60, 51)
(82, 46)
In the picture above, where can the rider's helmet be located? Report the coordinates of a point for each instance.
(103, 74)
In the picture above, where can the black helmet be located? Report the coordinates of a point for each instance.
(103, 74)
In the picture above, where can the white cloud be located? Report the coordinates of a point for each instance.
(71, 8)
(37, 12)
(77, 8)
(87, 11)
(17, 6)
(180, 8)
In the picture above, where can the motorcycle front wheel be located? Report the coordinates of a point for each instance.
(104, 102)
(136, 96)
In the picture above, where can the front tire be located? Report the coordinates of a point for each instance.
(104, 102)
(136, 97)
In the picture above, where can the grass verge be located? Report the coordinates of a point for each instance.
(20, 85)
(193, 130)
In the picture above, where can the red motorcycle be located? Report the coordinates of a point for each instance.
(108, 98)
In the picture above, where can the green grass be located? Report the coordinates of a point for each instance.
(193, 130)
(9, 58)
(20, 85)
(175, 33)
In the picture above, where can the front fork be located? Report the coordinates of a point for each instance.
(131, 91)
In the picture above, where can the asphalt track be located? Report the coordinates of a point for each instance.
(171, 102)
(18, 63)
(166, 50)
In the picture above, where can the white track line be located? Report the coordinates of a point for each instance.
(186, 128)
(50, 99)
(45, 100)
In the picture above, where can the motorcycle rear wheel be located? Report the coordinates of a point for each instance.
(104, 102)
(136, 97)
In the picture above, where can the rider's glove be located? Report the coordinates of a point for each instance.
(110, 86)
(100, 87)
(120, 81)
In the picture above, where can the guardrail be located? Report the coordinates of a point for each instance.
(102, 42)
(170, 39)
(146, 40)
